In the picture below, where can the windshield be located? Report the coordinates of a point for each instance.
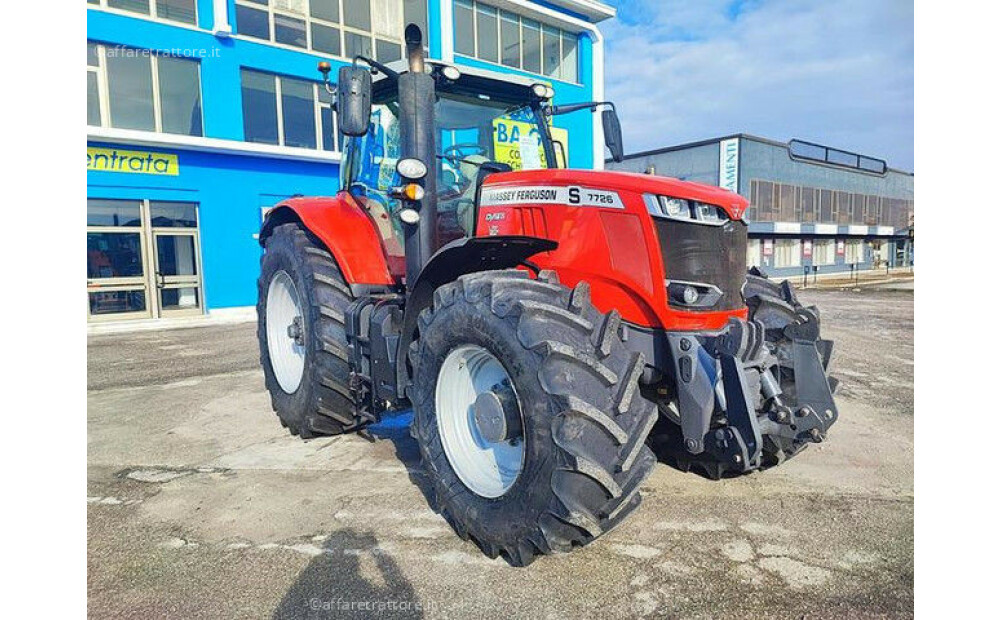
(469, 131)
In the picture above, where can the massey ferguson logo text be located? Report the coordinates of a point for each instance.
(526, 195)
(572, 196)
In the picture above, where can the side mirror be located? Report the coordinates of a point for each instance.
(354, 100)
(613, 134)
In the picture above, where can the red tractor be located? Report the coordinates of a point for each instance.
(547, 326)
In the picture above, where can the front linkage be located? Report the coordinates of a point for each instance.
(753, 394)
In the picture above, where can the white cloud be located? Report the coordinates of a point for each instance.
(838, 72)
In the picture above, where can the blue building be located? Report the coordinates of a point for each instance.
(813, 208)
(202, 114)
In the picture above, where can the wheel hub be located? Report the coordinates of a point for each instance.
(496, 414)
(295, 331)
(479, 420)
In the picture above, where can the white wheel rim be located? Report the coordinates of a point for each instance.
(487, 469)
(287, 356)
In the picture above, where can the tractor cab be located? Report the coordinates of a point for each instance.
(483, 123)
(421, 137)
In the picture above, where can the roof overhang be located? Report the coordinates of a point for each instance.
(593, 10)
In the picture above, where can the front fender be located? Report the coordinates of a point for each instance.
(462, 256)
(344, 228)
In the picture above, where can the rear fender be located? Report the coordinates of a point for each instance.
(345, 229)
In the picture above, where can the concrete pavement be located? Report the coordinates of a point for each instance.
(200, 505)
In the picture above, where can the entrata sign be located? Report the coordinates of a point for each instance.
(729, 164)
(136, 162)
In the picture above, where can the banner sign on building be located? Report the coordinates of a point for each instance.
(136, 162)
(840, 247)
(768, 247)
(517, 144)
(729, 164)
(807, 248)
(513, 138)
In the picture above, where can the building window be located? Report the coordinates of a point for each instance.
(854, 251)
(286, 111)
(787, 253)
(183, 11)
(487, 33)
(823, 252)
(780, 202)
(753, 253)
(129, 88)
(345, 28)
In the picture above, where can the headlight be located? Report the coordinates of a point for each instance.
(452, 73)
(411, 168)
(409, 216)
(685, 210)
(541, 91)
(692, 295)
(675, 207)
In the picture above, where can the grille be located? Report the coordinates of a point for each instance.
(709, 254)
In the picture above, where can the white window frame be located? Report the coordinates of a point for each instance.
(520, 28)
(104, 92)
(787, 252)
(103, 95)
(307, 17)
(152, 15)
(318, 106)
(854, 251)
(754, 257)
(824, 252)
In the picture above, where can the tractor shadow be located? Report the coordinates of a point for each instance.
(665, 440)
(395, 428)
(352, 578)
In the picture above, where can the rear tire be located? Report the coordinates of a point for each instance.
(584, 421)
(320, 402)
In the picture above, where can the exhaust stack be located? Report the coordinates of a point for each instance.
(417, 141)
(414, 48)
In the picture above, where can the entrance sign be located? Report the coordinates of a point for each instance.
(135, 162)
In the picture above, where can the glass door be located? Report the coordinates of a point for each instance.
(117, 264)
(143, 259)
(177, 269)
(177, 284)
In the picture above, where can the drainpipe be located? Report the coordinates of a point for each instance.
(447, 31)
(220, 12)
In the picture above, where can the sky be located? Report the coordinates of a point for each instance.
(836, 72)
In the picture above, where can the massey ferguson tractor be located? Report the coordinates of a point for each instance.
(548, 327)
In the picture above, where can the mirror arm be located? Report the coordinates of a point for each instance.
(556, 110)
(374, 64)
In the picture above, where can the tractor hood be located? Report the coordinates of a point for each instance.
(627, 182)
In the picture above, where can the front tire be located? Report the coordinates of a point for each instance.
(301, 301)
(583, 421)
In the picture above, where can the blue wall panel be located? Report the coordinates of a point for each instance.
(231, 191)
